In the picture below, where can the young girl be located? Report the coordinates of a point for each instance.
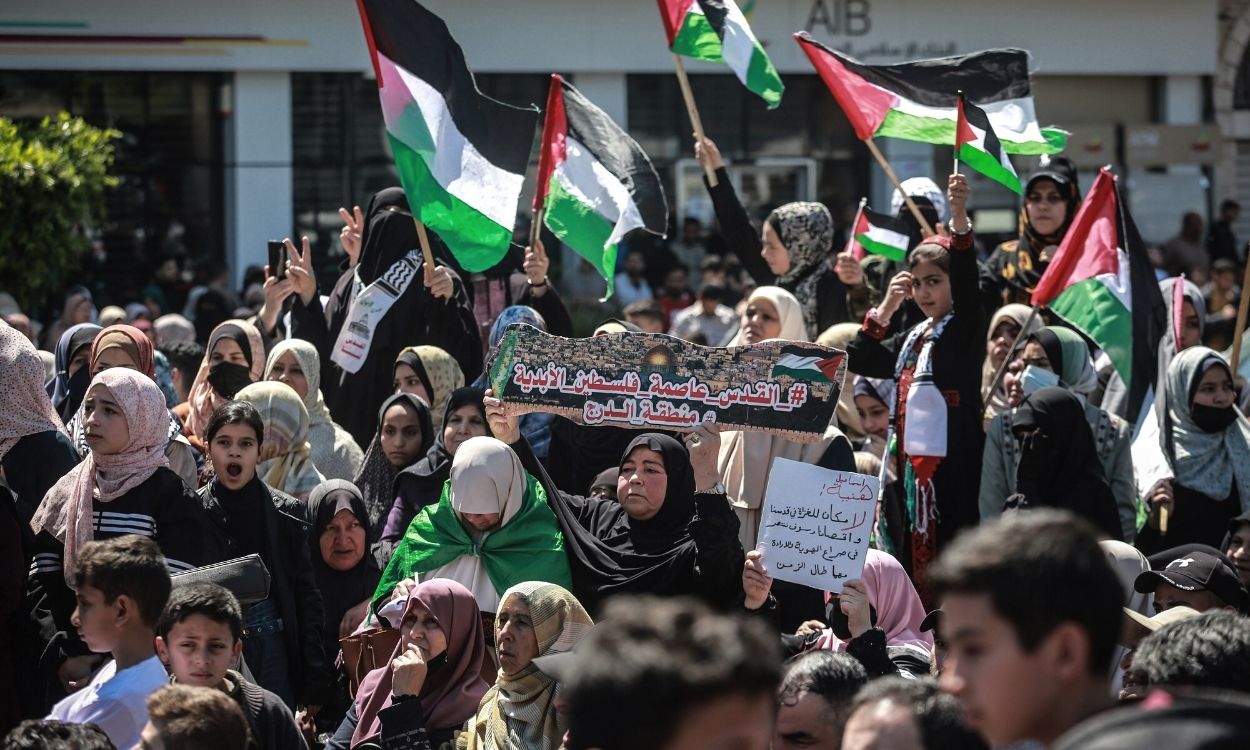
(938, 384)
(123, 486)
(282, 645)
(403, 436)
(431, 374)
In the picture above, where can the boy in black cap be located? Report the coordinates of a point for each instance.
(1198, 580)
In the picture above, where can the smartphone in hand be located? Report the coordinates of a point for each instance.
(277, 259)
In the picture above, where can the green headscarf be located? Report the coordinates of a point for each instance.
(527, 546)
(1069, 356)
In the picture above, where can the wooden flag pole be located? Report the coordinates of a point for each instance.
(1002, 369)
(1235, 364)
(693, 111)
(889, 172)
(425, 246)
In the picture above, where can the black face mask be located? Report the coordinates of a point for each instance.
(78, 384)
(837, 620)
(1212, 418)
(228, 378)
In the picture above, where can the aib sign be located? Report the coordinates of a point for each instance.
(840, 17)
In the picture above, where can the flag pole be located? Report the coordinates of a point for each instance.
(425, 245)
(536, 224)
(1002, 369)
(889, 172)
(958, 119)
(1241, 322)
(693, 111)
(850, 236)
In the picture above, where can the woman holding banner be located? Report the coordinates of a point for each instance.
(937, 420)
(670, 531)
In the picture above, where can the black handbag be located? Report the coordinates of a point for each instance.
(245, 577)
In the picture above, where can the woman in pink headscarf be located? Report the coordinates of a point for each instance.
(123, 486)
(433, 683)
(876, 618)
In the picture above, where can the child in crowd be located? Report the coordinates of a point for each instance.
(122, 585)
(199, 637)
(193, 718)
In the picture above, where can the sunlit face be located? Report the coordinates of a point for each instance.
(1034, 355)
(642, 484)
(1006, 693)
(1215, 389)
(227, 350)
(406, 381)
(287, 369)
(1191, 328)
(775, 253)
(873, 415)
(235, 450)
(932, 290)
(422, 628)
(401, 435)
(760, 321)
(199, 651)
(1045, 207)
(1239, 551)
(95, 618)
(734, 722)
(462, 424)
(104, 422)
(1001, 339)
(112, 357)
(518, 644)
(342, 542)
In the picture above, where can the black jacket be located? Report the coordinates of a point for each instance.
(271, 723)
(293, 587)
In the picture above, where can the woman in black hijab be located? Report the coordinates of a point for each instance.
(417, 316)
(1051, 197)
(421, 484)
(670, 531)
(1059, 465)
(345, 571)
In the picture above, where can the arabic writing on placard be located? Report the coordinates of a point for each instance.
(631, 401)
(815, 524)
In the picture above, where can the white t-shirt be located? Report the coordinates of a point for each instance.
(115, 701)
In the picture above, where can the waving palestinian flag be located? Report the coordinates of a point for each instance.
(882, 234)
(595, 183)
(1101, 282)
(716, 31)
(979, 148)
(916, 101)
(461, 155)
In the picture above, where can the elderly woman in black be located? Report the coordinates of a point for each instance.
(671, 530)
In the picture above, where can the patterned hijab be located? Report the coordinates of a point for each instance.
(286, 463)
(439, 371)
(325, 438)
(519, 710)
(201, 398)
(454, 688)
(996, 402)
(1206, 462)
(27, 410)
(806, 231)
(66, 510)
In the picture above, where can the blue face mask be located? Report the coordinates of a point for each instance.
(1035, 379)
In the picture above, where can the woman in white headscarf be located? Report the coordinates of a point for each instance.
(746, 458)
(296, 363)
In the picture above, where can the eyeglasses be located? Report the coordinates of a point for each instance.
(1044, 198)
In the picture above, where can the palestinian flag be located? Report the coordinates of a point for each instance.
(595, 183)
(716, 31)
(798, 364)
(916, 101)
(1101, 282)
(979, 148)
(882, 234)
(461, 155)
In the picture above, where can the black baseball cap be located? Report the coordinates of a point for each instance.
(1196, 571)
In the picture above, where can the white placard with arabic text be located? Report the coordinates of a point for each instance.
(815, 524)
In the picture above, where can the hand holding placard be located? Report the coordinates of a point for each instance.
(815, 524)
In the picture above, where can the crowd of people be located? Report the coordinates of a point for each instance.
(311, 523)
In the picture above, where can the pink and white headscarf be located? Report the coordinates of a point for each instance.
(66, 511)
(899, 610)
(27, 408)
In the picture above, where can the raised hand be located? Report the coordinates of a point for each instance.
(707, 153)
(300, 271)
(506, 429)
(351, 234)
(756, 583)
(854, 604)
(957, 192)
(535, 268)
